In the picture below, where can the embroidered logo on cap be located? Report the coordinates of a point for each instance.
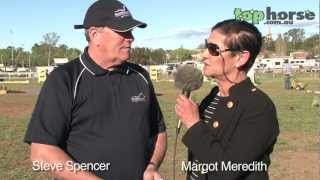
(140, 98)
(122, 12)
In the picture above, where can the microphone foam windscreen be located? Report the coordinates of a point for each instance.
(188, 78)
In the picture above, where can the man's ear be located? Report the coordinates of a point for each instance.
(93, 32)
(243, 58)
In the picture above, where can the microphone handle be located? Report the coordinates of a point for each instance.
(178, 127)
(187, 94)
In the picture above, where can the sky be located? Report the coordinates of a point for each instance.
(171, 23)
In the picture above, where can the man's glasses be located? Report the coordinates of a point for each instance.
(214, 49)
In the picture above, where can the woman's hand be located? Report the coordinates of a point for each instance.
(187, 111)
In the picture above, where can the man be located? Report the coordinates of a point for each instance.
(287, 76)
(98, 116)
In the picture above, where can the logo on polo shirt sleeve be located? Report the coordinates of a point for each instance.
(139, 98)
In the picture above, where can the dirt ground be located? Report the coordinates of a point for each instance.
(20, 106)
(299, 160)
(295, 166)
(295, 157)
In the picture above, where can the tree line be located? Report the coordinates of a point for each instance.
(42, 53)
(291, 41)
(148, 56)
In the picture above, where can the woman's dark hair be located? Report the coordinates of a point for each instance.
(241, 35)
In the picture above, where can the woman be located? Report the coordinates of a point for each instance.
(231, 135)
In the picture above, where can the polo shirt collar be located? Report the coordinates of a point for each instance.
(95, 69)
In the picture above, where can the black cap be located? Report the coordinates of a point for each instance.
(110, 13)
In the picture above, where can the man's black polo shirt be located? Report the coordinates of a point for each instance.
(101, 116)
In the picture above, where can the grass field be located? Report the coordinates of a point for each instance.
(296, 154)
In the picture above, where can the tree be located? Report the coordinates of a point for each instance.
(5, 56)
(281, 46)
(39, 54)
(19, 55)
(158, 56)
(13, 56)
(312, 44)
(73, 53)
(61, 51)
(141, 56)
(268, 43)
(180, 54)
(51, 40)
(296, 37)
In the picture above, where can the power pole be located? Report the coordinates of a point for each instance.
(49, 56)
(29, 61)
(11, 55)
(11, 32)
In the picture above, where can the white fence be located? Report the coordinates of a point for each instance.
(17, 75)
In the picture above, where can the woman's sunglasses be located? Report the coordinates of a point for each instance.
(214, 49)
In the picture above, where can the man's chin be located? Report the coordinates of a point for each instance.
(125, 57)
(122, 60)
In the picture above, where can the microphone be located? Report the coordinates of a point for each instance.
(187, 79)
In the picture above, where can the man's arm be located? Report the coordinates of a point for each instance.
(54, 156)
(159, 150)
(156, 158)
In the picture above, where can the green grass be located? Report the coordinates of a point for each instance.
(299, 124)
(14, 154)
(294, 108)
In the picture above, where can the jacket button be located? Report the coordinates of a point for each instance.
(230, 104)
(215, 124)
